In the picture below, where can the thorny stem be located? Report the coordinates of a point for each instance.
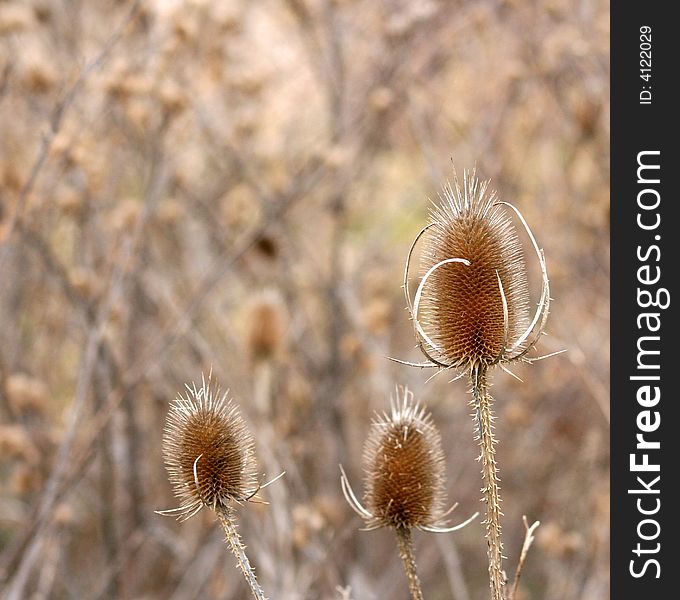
(227, 520)
(405, 541)
(481, 402)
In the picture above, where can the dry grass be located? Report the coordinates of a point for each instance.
(168, 167)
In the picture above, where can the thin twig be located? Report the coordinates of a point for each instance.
(451, 557)
(92, 349)
(528, 540)
(56, 121)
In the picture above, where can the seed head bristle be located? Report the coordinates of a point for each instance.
(463, 311)
(404, 466)
(208, 451)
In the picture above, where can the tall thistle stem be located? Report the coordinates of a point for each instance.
(405, 542)
(471, 313)
(482, 405)
(227, 519)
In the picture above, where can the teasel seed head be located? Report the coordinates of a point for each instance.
(403, 461)
(471, 308)
(265, 326)
(404, 465)
(208, 450)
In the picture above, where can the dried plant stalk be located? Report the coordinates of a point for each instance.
(210, 458)
(471, 313)
(528, 540)
(482, 405)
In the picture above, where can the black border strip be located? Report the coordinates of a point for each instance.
(638, 127)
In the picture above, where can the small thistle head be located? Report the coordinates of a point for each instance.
(265, 326)
(404, 465)
(472, 305)
(208, 451)
(404, 471)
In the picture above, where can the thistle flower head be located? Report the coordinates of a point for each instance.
(404, 465)
(404, 470)
(471, 307)
(265, 326)
(208, 450)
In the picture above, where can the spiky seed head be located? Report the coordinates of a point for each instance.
(462, 309)
(208, 450)
(404, 465)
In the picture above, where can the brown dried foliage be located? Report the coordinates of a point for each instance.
(145, 179)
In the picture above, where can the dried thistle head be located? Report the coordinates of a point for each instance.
(265, 326)
(208, 450)
(404, 464)
(471, 308)
(27, 395)
(209, 454)
(404, 470)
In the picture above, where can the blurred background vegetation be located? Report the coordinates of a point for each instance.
(234, 185)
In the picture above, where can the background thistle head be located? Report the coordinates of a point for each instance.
(472, 304)
(265, 325)
(208, 451)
